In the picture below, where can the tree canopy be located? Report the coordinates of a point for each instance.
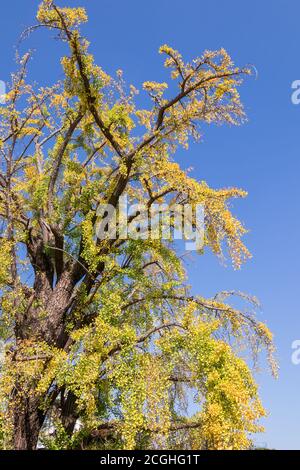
(105, 347)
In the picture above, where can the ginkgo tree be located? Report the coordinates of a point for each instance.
(104, 345)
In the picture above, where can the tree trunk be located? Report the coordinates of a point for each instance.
(27, 416)
(28, 420)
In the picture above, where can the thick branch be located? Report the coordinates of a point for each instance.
(59, 157)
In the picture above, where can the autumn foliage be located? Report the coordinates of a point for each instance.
(105, 347)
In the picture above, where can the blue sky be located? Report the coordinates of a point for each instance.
(262, 156)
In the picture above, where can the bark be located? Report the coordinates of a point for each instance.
(28, 420)
(69, 415)
(28, 417)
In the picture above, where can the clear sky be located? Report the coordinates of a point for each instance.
(262, 156)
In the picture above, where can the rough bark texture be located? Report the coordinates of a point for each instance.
(28, 417)
(28, 420)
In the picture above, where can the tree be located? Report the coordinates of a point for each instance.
(103, 341)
